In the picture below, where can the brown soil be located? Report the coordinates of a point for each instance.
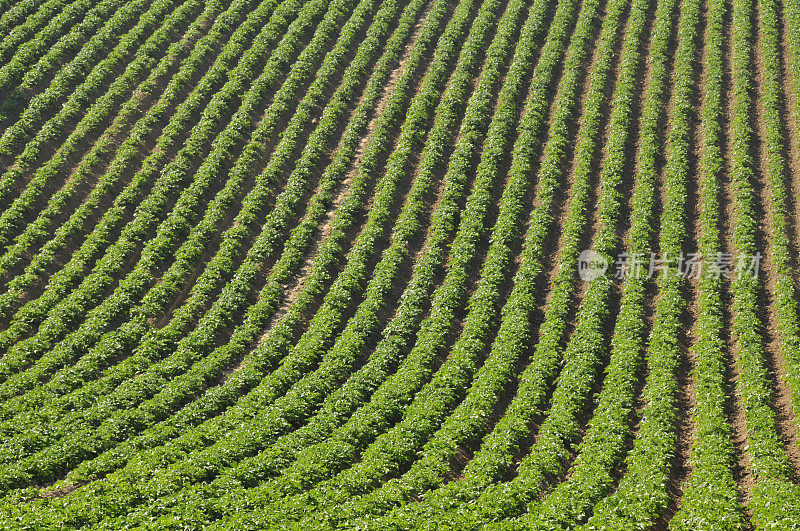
(790, 116)
(62, 491)
(295, 286)
(686, 428)
(742, 468)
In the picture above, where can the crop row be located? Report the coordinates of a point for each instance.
(299, 395)
(608, 433)
(45, 118)
(642, 497)
(491, 460)
(186, 256)
(354, 202)
(97, 115)
(100, 157)
(791, 20)
(266, 20)
(58, 321)
(143, 391)
(776, 167)
(775, 498)
(38, 32)
(583, 352)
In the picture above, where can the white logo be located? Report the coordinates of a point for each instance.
(591, 265)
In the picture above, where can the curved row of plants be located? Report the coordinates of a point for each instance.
(16, 14)
(642, 496)
(173, 279)
(775, 498)
(491, 461)
(777, 170)
(148, 184)
(583, 352)
(193, 189)
(609, 431)
(57, 171)
(468, 423)
(183, 351)
(345, 216)
(43, 31)
(316, 385)
(182, 59)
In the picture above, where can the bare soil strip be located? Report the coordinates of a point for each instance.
(295, 286)
(686, 429)
(742, 469)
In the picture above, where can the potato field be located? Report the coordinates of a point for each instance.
(400, 264)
